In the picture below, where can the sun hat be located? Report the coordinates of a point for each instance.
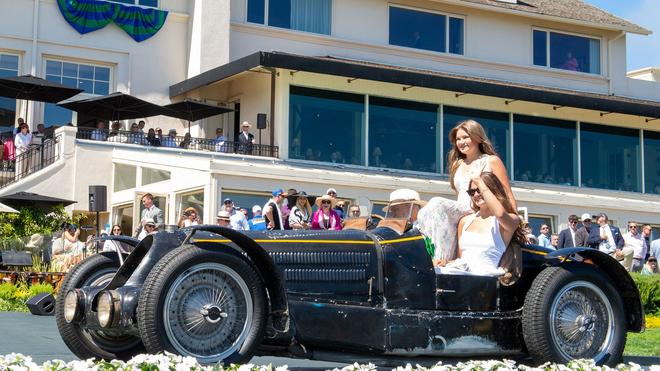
(292, 198)
(245, 123)
(319, 200)
(403, 196)
(586, 216)
(256, 209)
(223, 215)
(149, 221)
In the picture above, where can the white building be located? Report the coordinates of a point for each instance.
(360, 96)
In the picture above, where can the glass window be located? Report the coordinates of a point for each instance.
(536, 221)
(496, 125)
(302, 15)
(160, 201)
(545, 150)
(652, 161)
(124, 177)
(567, 52)
(150, 176)
(244, 200)
(8, 68)
(256, 11)
(425, 30)
(610, 157)
(94, 80)
(377, 207)
(326, 126)
(123, 215)
(391, 123)
(194, 200)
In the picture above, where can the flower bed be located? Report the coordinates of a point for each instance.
(170, 362)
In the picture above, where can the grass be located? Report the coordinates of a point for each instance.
(644, 344)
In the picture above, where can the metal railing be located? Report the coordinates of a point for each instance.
(36, 158)
(199, 144)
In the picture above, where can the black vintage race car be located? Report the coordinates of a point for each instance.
(223, 296)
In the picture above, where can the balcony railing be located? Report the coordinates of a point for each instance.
(36, 158)
(199, 144)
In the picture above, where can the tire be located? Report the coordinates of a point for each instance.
(96, 270)
(210, 305)
(574, 312)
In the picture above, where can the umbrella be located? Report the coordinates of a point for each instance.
(22, 199)
(6, 209)
(33, 88)
(116, 106)
(193, 110)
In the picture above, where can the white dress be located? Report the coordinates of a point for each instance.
(438, 220)
(480, 253)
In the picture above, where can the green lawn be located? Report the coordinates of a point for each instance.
(644, 344)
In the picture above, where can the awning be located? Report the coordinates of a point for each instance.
(116, 106)
(422, 78)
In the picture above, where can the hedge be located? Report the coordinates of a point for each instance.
(649, 290)
(13, 297)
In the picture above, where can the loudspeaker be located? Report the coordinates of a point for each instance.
(98, 198)
(261, 120)
(42, 305)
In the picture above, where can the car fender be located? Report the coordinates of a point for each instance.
(620, 277)
(266, 266)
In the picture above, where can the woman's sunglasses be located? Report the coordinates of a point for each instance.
(325, 202)
(473, 191)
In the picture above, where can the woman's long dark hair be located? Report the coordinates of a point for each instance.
(113, 228)
(494, 185)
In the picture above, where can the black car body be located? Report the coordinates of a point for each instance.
(223, 295)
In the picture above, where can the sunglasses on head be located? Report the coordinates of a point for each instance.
(473, 191)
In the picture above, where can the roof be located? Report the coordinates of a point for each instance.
(575, 10)
(422, 78)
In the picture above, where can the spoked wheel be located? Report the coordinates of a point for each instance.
(97, 270)
(208, 305)
(574, 313)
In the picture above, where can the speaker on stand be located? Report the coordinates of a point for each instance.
(98, 201)
(261, 124)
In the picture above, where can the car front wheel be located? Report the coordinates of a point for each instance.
(205, 304)
(574, 312)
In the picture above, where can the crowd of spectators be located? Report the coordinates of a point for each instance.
(14, 146)
(633, 248)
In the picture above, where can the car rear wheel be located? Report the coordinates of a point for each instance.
(204, 304)
(574, 312)
(96, 270)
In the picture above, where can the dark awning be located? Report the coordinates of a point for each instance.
(116, 106)
(36, 89)
(422, 78)
(193, 110)
(23, 199)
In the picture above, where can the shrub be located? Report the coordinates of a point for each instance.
(649, 290)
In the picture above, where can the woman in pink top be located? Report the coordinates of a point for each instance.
(325, 217)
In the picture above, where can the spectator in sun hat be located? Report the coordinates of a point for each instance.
(223, 219)
(338, 206)
(272, 210)
(257, 223)
(170, 139)
(325, 217)
(301, 210)
(150, 226)
(245, 139)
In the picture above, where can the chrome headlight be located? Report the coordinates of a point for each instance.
(71, 309)
(105, 310)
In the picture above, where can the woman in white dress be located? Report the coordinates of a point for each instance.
(470, 155)
(484, 236)
(301, 213)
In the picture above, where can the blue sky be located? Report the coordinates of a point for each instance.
(643, 51)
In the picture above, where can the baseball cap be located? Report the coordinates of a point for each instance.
(256, 209)
(586, 216)
(331, 190)
(227, 201)
(278, 191)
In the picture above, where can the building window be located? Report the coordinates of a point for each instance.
(244, 200)
(610, 157)
(150, 176)
(160, 201)
(545, 150)
(566, 52)
(148, 3)
(94, 80)
(652, 161)
(536, 221)
(426, 30)
(326, 126)
(192, 199)
(496, 125)
(8, 68)
(123, 216)
(125, 177)
(302, 15)
(392, 123)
